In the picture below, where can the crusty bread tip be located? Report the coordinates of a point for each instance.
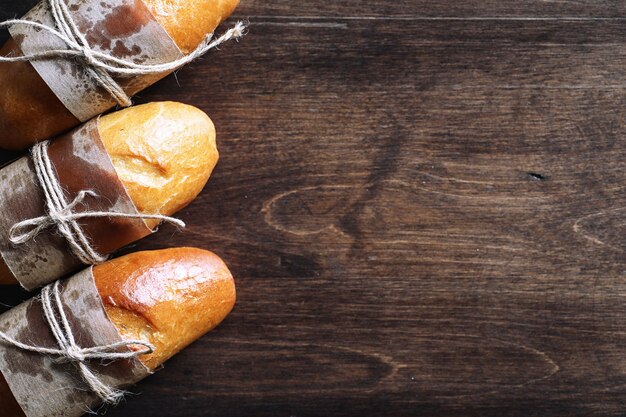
(163, 153)
(168, 298)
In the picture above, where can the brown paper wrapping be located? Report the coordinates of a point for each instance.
(42, 386)
(125, 29)
(81, 163)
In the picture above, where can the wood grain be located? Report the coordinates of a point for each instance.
(424, 204)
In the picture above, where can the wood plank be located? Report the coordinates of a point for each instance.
(420, 9)
(408, 9)
(433, 220)
(424, 218)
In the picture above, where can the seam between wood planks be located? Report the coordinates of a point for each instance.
(444, 18)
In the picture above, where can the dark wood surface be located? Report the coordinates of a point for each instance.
(424, 204)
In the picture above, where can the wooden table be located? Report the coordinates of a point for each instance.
(424, 204)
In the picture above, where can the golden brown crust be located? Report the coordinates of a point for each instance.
(8, 404)
(6, 276)
(189, 21)
(163, 152)
(29, 110)
(169, 297)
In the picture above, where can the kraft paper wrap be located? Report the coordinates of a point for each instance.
(81, 163)
(44, 387)
(125, 29)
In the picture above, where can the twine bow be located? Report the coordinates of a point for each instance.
(101, 66)
(60, 213)
(69, 351)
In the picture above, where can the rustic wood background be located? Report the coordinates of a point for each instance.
(424, 204)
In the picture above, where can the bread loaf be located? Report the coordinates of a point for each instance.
(30, 111)
(164, 154)
(188, 22)
(168, 298)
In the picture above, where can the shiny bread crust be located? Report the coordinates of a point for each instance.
(8, 404)
(188, 22)
(168, 297)
(30, 111)
(163, 152)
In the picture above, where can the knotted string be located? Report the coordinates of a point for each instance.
(69, 351)
(102, 66)
(60, 213)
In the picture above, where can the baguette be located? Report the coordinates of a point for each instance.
(25, 97)
(163, 153)
(168, 298)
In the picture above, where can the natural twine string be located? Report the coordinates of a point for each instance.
(60, 212)
(101, 66)
(70, 351)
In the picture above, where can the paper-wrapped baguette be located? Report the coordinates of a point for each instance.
(168, 298)
(163, 153)
(30, 111)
